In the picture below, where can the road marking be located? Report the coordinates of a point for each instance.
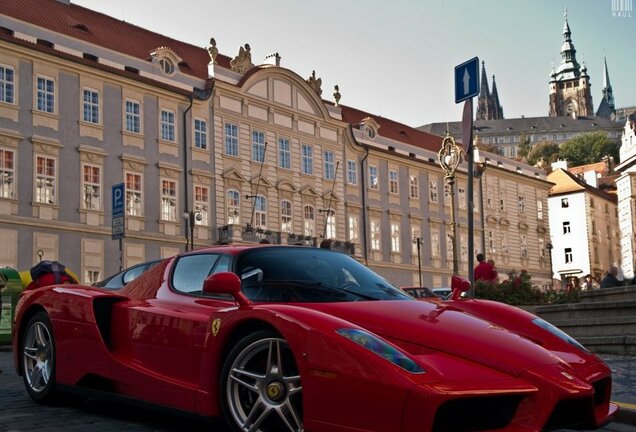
(626, 405)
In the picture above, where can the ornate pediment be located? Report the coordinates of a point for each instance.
(286, 185)
(261, 181)
(330, 196)
(504, 222)
(309, 191)
(233, 174)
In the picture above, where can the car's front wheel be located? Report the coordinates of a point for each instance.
(38, 358)
(260, 385)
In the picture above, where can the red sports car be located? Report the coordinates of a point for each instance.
(277, 338)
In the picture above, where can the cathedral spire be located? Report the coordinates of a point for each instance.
(484, 90)
(498, 110)
(569, 67)
(488, 107)
(606, 108)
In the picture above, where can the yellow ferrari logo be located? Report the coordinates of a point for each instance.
(216, 326)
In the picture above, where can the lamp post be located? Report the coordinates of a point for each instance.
(192, 217)
(480, 168)
(549, 247)
(418, 242)
(450, 156)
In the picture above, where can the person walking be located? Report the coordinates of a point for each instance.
(611, 278)
(485, 271)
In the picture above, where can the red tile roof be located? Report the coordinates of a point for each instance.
(102, 30)
(394, 130)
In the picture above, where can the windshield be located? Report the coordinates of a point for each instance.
(296, 274)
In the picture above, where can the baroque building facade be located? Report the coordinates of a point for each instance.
(246, 153)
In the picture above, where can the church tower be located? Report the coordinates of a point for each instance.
(570, 93)
(488, 107)
(606, 108)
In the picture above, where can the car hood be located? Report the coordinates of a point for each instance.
(445, 329)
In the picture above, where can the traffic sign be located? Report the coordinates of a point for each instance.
(118, 199)
(466, 80)
(118, 203)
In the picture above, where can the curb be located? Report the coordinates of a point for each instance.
(6, 348)
(626, 415)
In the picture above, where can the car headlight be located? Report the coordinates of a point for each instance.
(381, 348)
(559, 333)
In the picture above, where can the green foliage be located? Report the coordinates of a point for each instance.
(524, 146)
(588, 148)
(546, 150)
(518, 290)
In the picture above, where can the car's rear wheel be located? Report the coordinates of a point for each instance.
(260, 385)
(38, 358)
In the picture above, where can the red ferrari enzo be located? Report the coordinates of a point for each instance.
(277, 338)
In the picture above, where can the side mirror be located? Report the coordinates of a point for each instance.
(225, 283)
(459, 285)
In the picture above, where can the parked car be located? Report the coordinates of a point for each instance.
(441, 292)
(284, 338)
(125, 276)
(419, 292)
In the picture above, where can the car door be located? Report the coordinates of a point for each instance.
(168, 332)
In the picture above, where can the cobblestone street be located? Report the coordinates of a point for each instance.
(18, 413)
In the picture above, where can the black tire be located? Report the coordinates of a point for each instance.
(260, 385)
(38, 357)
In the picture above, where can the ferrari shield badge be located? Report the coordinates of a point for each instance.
(216, 326)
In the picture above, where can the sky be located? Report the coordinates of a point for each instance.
(396, 58)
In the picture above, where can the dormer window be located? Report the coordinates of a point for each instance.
(370, 127)
(166, 66)
(167, 60)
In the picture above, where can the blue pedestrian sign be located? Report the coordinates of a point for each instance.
(466, 80)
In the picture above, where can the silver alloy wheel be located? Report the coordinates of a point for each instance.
(263, 388)
(37, 356)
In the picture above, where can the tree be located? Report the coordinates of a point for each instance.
(588, 148)
(546, 150)
(524, 146)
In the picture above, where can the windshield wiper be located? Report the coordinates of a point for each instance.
(316, 284)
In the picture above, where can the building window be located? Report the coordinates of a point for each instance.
(330, 168)
(231, 140)
(45, 184)
(169, 200)
(432, 191)
(375, 234)
(46, 95)
(395, 237)
(502, 204)
(166, 66)
(354, 229)
(7, 173)
(352, 172)
(568, 255)
(133, 194)
(284, 153)
(539, 209)
(286, 216)
(521, 205)
(200, 134)
(91, 106)
(373, 177)
(309, 225)
(415, 234)
(202, 204)
(330, 231)
(447, 194)
(307, 159)
(91, 276)
(492, 247)
(258, 146)
(503, 241)
(462, 197)
(541, 247)
(592, 202)
(7, 83)
(524, 247)
(564, 203)
(435, 248)
(133, 116)
(260, 212)
(393, 182)
(92, 188)
(449, 246)
(167, 125)
(415, 186)
(233, 207)
(566, 227)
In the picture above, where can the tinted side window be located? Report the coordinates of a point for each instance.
(190, 272)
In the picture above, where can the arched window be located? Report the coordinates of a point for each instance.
(309, 228)
(331, 226)
(286, 216)
(233, 207)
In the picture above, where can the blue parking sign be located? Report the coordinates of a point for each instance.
(118, 199)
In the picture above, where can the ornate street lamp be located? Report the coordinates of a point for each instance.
(479, 170)
(418, 242)
(450, 156)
